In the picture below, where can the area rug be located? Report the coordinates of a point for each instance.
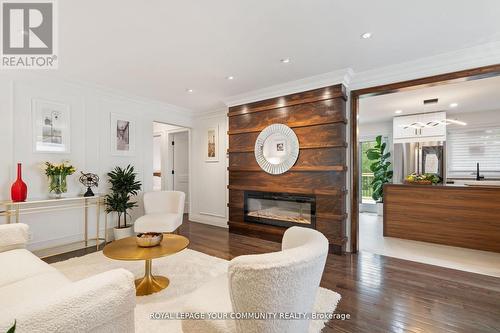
(187, 271)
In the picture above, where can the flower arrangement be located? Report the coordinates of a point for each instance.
(57, 173)
(425, 179)
(63, 169)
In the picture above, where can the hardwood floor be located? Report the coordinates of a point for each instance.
(381, 294)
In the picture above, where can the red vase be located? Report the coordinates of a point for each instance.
(19, 190)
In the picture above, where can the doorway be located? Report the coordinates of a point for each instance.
(171, 147)
(366, 177)
(454, 120)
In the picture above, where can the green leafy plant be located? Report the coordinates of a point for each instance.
(426, 178)
(13, 328)
(124, 186)
(56, 174)
(380, 167)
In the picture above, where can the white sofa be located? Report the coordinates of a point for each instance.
(279, 282)
(41, 299)
(164, 212)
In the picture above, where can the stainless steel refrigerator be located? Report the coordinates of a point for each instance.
(419, 157)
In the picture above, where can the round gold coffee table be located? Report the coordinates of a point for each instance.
(127, 249)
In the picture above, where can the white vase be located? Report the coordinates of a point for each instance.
(380, 208)
(120, 233)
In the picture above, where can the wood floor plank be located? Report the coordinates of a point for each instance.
(381, 294)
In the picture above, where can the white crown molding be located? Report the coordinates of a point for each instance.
(308, 83)
(101, 90)
(202, 115)
(472, 57)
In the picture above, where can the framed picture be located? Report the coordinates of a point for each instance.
(212, 145)
(51, 127)
(122, 135)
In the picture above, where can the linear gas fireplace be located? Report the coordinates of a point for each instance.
(280, 209)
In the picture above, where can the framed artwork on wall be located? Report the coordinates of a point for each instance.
(212, 145)
(51, 127)
(122, 135)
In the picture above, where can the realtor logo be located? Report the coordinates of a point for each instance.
(28, 35)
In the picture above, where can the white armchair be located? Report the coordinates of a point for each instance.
(164, 212)
(285, 281)
(41, 299)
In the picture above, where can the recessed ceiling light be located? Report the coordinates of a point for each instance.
(453, 105)
(189, 90)
(285, 60)
(366, 35)
(398, 111)
(230, 77)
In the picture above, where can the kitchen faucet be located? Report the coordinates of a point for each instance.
(478, 177)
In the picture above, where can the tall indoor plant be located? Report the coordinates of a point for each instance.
(124, 186)
(381, 168)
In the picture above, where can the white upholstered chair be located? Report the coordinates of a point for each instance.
(285, 281)
(164, 212)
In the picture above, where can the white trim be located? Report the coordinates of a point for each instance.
(210, 220)
(213, 214)
(105, 91)
(472, 57)
(312, 82)
(212, 114)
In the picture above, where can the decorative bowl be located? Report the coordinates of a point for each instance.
(149, 239)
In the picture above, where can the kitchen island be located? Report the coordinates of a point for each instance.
(456, 215)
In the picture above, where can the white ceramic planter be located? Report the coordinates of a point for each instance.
(380, 209)
(120, 233)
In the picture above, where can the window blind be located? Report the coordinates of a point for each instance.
(466, 147)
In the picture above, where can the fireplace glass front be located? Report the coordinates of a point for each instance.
(280, 209)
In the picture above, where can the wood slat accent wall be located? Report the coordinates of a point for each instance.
(318, 117)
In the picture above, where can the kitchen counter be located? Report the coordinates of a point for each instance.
(478, 184)
(449, 214)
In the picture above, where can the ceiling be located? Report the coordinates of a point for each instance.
(159, 48)
(471, 96)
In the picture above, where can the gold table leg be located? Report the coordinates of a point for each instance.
(150, 284)
(98, 217)
(85, 222)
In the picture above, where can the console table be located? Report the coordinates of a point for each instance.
(14, 210)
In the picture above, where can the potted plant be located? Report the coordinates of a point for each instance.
(124, 186)
(381, 171)
(57, 173)
(425, 179)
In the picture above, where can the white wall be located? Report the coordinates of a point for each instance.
(371, 130)
(90, 145)
(479, 118)
(209, 179)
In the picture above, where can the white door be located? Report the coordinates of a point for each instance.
(180, 164)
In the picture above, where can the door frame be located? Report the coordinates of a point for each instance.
(169, 164)
(441, 79)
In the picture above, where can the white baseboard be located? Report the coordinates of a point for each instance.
(217, 221)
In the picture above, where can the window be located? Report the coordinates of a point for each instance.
(366, 173)
(467, 146)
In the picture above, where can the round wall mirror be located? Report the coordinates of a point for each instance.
(276, 149)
